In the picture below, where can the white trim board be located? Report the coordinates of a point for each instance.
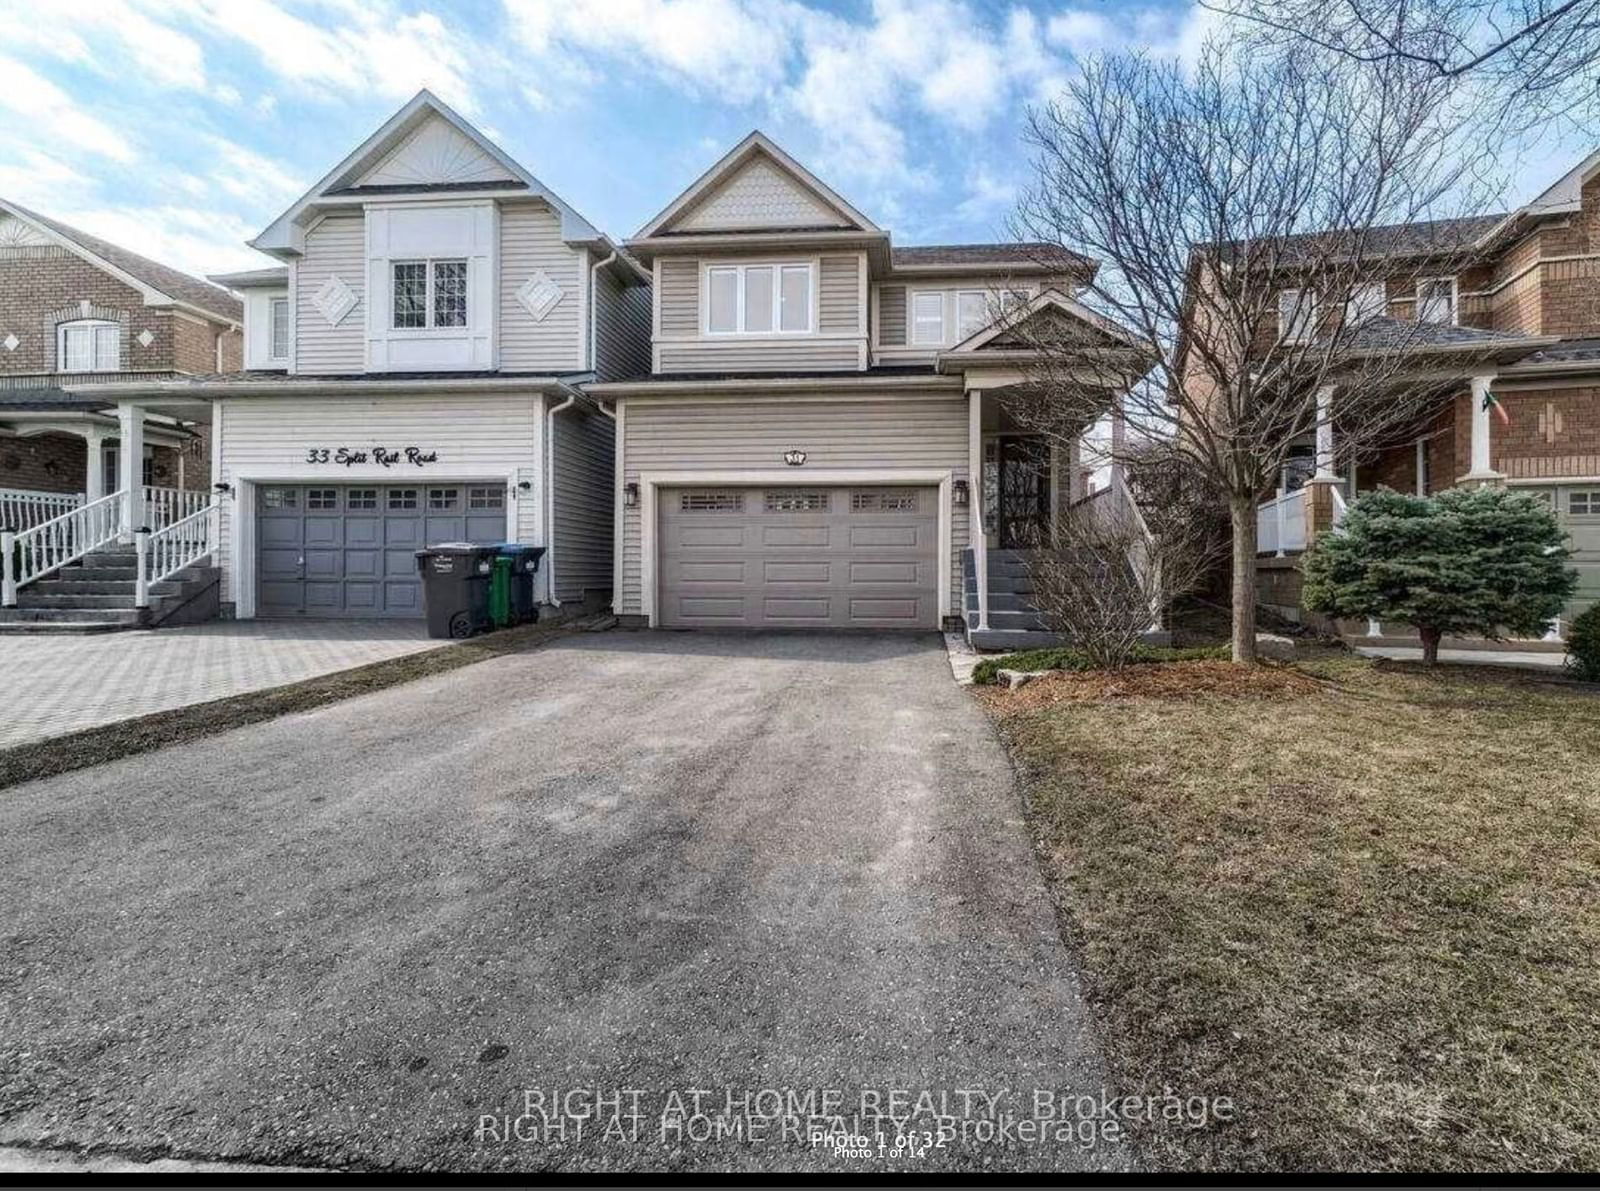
(789, 477)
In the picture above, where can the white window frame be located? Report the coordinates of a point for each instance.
(1361, 294)
(428, 263)
(1455, 299)
(914, 321)
(93, 326)
(273, 307)
(951, 331)
(1298, 324)
(740, 269)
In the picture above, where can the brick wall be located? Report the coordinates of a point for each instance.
(1553, 432)
(44, 462)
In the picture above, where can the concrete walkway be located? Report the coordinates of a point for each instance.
(58, 683)
(780, 869)
(1469, 657)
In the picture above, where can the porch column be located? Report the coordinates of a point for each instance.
(130, 466)
(1482, 472)
(1325, 472)
(980, 553)
(1119, 440)
(1422, 467)
(1319, 488)
(94, 468)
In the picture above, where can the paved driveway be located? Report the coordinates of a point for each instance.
(62, 682)
(628, 863)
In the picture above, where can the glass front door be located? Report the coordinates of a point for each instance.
(1023, 517)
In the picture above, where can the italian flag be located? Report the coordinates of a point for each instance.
(1491, 402)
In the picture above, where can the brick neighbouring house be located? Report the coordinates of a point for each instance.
(1514, 310)
(75, 309)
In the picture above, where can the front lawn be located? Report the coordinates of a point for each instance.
(1362, 901)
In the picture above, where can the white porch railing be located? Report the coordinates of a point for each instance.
(1281, 524)
(22, 508)
(167, 506)
(52, 544)
(164, 552)
(1114, 506)
(980, 553)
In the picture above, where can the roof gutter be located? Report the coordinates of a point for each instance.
(277, 388)
(845, 382)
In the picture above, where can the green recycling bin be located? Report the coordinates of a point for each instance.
(500, 592)
(524, 563)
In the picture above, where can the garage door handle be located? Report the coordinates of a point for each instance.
(301, 561)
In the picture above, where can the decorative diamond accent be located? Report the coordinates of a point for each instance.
(334, 300)
(146, 337)
(12, 343)
(539, 296)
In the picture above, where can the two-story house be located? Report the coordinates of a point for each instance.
(412, 375)
(822, 438)
(76, 311)
(1513, 310)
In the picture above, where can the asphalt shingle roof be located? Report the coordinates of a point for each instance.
(985, 254)
(175, 284)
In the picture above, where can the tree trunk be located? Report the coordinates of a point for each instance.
(1242, 514)
(1430, 643)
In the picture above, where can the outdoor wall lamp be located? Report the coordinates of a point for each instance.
(958, 493)
(524, 484)
(222, 487)
(630, 496)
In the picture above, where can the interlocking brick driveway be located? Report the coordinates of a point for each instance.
(57, 683)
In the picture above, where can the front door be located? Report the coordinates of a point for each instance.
(1023, 518)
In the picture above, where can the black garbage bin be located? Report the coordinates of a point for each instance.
(524, 562)
(455, 588)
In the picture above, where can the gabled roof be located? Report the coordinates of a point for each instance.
(377, 149)
(752, 150)
(1043, 305)
(161, 285)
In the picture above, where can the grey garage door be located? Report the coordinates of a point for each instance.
(799, 557)
(350, 550)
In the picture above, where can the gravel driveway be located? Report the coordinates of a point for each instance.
(634, 863)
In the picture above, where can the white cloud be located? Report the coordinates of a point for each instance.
(988, 197)
(1081, 31)
(52, 115)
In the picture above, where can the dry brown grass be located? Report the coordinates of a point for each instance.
(1367, 909)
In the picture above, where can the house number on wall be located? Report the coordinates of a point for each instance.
(350, 456)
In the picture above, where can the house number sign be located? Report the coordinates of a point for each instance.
(383, 456)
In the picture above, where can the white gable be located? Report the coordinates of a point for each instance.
(15, 233)
(435, 152)
(761, 194)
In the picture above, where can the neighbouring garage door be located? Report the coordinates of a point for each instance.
(350, 550)
(1580, 513)
(799, 557)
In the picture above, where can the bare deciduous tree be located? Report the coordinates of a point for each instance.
(1538, 57)
(1241, 209)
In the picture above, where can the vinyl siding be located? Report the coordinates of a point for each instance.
(477, 436)
(872, 434)
(335, 247)
(793, 355)
(622, 328)
(582, 453)
(840, 296)
(680, 297)
(892, 315)
(530, 242)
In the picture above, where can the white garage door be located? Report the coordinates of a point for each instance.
(799, 557)
(1580, 513)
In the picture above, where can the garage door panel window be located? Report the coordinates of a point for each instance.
(884, 500)
(358, 499)
(444, 500)
(322, 499)
(481, 498)
(280, 498)
(1583, 502)
(798, 500)
(401, 499)
(711, 502)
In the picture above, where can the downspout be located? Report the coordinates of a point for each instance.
(618, 510)
(594, 311)
(550, 496)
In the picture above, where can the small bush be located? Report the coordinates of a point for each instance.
(1583, 645)
(985, 672)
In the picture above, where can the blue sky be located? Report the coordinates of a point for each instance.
(179, 128)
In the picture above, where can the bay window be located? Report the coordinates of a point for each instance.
(758, 299)
(88, 345)
(429, 294)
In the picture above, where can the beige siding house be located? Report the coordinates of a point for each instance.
(812, 446)
(415, 374)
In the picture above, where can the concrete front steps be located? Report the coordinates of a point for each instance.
(96, 594)
(1014, 623)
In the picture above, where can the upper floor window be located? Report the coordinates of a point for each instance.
(430, 294)
(927, 317)
(1436, 300)
(940, 317)
(1366, 303)
(280, 328)
(1297, 314)
(758, 299)
(88, 345)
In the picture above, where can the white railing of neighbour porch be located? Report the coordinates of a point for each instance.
(52, 544)
(1115, 507)
(22, 508)
(980, 555)
(1281, 524)
(167, 506)
(162, 553)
